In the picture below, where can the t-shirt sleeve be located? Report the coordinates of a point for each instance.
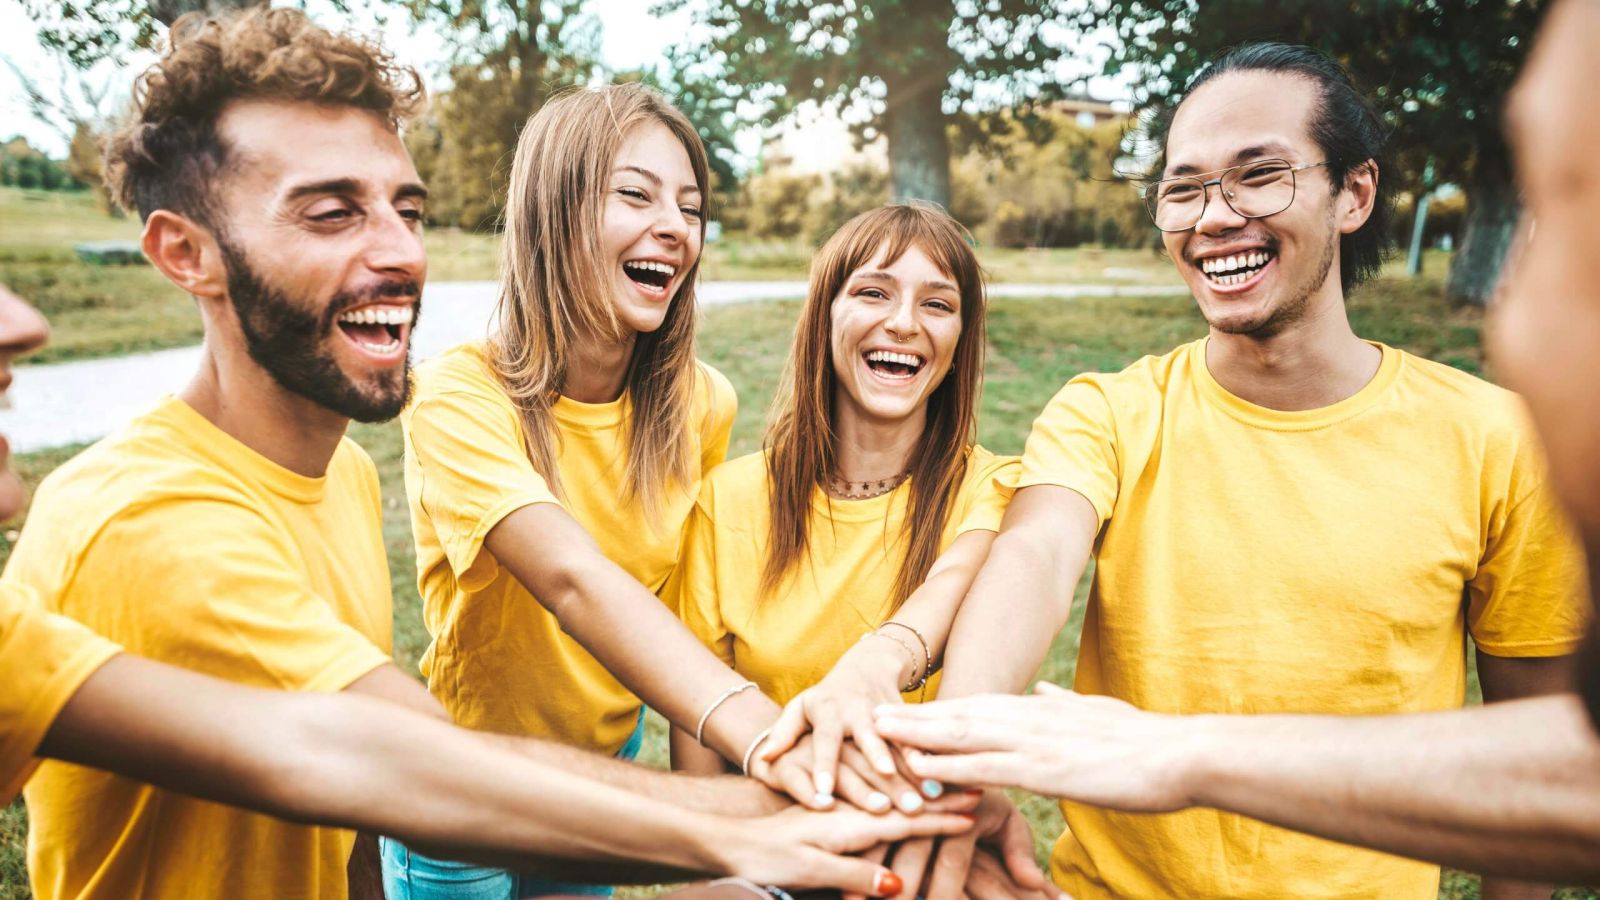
(692, 590)
(717, 426)
(1073, 445)
(986, 493)
(1527, 598)
(44, 659)
(473, 472)
(225, 595)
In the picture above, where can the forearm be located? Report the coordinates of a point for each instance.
(727, 795)
(640, 642)
(689, 757)
(359, 763)
(1511, 789)
(1018, 602)
(931, 609)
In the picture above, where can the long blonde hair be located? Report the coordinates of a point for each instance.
(555, 283)
(800, 440)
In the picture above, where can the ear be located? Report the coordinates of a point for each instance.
(186, 253)
(1358, 197)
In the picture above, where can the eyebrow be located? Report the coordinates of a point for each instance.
(1258, 151)
(652, 177)
(885, 276)
(409, 190)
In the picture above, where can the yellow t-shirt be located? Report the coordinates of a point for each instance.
(787, 641)
(187, 547)
(499, 661)
(44, 659)
(1320, 561)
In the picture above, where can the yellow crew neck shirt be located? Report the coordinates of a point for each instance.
(185, 546)
(499, 661)
(1321, 561)
(840, 590)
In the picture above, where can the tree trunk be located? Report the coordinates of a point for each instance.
(919, 150)
(1492, 212)
(167, 11)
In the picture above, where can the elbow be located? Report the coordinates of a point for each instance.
(562, 585)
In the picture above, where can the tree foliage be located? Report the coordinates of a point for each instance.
(1437, 69)
(906, 63)
(89, 31)
(507, 57)
(25, 167)
(1046, 182)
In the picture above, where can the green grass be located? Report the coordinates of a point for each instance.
(1035, 345)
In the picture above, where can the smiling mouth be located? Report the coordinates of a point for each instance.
(1236, 269)
(379, 329)
(650, 274)
(896, 366)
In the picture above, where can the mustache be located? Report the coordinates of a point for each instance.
(408, 289)
(1192, 250)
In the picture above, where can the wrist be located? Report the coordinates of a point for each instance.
(736, 724)
(890, 659)
(716, 847)
(1202, 765)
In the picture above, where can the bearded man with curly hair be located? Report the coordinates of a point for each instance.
(233, 529)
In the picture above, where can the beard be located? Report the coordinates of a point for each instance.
(290, 342)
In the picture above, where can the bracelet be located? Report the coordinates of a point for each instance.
(910, 653)
(700, 727)
(744, 764)
(927, 657)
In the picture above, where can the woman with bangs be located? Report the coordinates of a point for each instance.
(828, 567)
(550, 469)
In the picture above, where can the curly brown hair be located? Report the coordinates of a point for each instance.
(168, 152)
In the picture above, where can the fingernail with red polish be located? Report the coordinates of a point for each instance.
(887, 884)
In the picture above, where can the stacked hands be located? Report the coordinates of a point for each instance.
(829, 745)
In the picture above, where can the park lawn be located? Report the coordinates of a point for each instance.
(1034, 347)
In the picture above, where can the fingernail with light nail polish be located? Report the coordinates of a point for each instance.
(910, 801)
(877, 801)
(822, 798)
(933, 790)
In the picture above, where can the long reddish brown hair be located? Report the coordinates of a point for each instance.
(800, 440)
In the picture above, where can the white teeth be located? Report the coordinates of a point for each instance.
(1217, 266)
(651, 266)
(381, 315)
(904, 359)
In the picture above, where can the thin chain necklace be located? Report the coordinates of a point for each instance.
(864, 490)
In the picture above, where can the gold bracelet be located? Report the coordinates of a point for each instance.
(700, 728)
(910, 655)
(927, 657)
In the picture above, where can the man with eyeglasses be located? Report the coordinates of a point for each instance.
(1284, 517)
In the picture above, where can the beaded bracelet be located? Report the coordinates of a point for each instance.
(700, 727)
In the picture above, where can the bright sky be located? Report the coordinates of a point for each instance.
(631, 37)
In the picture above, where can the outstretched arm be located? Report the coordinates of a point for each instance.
(354, 761)
(627, 628)
(1509, 789)
(1023, 594)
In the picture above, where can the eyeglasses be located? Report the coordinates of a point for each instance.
(1253, 190)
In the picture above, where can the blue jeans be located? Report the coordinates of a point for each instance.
(408, 875)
